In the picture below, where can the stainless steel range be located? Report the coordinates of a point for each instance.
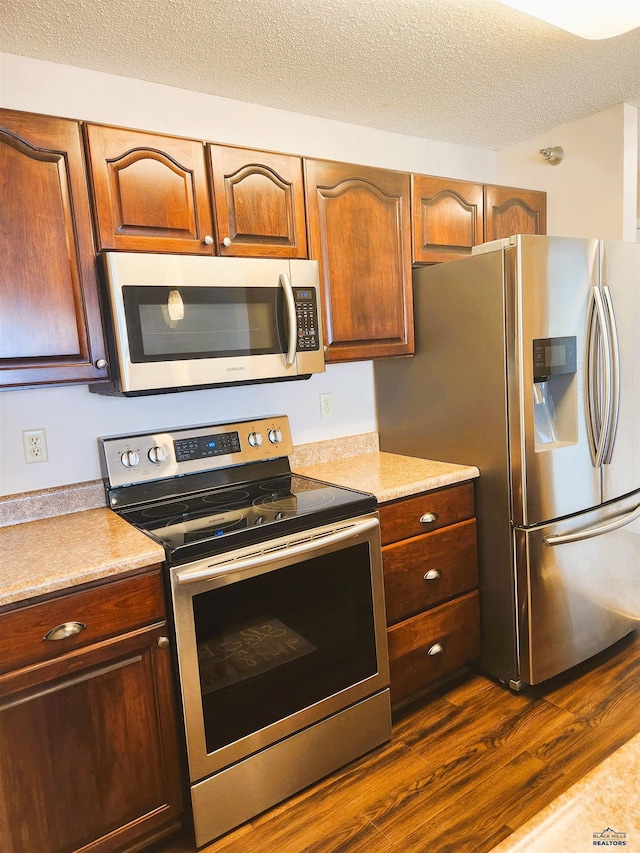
(277, 600)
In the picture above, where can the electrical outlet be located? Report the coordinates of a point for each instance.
(34, 442)
(326, 406)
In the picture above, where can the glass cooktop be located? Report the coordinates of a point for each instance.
(197, 525)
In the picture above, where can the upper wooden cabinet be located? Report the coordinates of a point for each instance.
(50, 326)
(510, 211)
(450, 217)
(447, 218)
(360, 233)
(150, 192)
(258, 202)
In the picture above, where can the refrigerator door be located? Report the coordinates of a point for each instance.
(578, 587)
(620, 280)
(550, 284)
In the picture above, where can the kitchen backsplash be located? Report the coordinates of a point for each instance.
(46, 503)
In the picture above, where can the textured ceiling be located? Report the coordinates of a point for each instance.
(467, 71)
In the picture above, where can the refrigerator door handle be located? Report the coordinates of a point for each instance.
(598, 530)
(614, 375)
(599, 371)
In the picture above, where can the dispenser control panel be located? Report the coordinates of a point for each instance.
(552, 356)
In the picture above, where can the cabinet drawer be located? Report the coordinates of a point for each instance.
(426, 647)
(429, 569)
(106, 610)
(412, 516)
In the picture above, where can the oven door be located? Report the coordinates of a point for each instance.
(189, 321)
(272, 639)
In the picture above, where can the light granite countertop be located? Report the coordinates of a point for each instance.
(388, 476)
(53, 554)
(76, 540)
(600, 810)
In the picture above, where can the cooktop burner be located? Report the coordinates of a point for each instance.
(202, 490)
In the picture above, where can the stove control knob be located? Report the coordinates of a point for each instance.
(157, 454)
(255, 439)
(275, 436)
(130, 459)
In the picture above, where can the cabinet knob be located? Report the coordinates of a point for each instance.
(432, 575)
(67, 629)
(208, 240)
(101, 363)
(428, 518)
(227, 242)
(435, 649)
(163, 642)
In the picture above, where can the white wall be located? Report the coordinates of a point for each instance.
(593, 191)
(72, 417)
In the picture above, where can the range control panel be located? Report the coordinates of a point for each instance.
(129, 459)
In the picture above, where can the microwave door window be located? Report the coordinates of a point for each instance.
(168, 324)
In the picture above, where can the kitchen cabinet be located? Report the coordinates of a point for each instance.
(431, 577)
(360, 234)
(150, 192)
(258, 203)
(50, 324)
(510, 211)
(88, 739)
(447, 218)
(450, 217)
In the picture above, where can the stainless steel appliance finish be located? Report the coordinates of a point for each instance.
(277, 601)
(178, 322)
(527, 365)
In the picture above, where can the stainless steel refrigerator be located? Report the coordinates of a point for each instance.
(528, 365)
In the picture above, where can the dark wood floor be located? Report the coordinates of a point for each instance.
(464, 768)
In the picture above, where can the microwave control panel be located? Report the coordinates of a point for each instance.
(306, 318)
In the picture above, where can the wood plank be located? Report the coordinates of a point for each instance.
(466, 766)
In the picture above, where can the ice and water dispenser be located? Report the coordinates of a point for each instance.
(554, 392)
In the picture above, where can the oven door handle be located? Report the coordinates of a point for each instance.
(298, 548)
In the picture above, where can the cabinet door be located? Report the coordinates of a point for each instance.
(88, 749)
(50, 325)
(150, 192)
(510, 211)
(360, 234)
(447, 218)
(258, 203)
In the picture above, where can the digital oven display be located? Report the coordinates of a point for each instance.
(204, 446)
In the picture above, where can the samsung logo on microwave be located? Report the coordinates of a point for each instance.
(235, 369)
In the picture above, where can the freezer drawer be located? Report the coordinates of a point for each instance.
(578, 587)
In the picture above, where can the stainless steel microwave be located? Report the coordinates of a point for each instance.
(178, 322)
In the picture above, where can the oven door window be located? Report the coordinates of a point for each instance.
(276, 643)
(169, 324)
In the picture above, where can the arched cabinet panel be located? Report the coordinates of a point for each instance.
(447, 218)
(513, 211)
(50, 326)
(360, 233)
(150, 192)
(259, 203)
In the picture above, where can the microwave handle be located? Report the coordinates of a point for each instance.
(290, 356)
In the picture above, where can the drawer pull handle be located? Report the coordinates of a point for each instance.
(428, 518)
(163, 642)
(433, 575)
(436, 649)
(67, 629)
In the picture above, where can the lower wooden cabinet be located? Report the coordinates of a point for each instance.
(431, 581)
(88, 740)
